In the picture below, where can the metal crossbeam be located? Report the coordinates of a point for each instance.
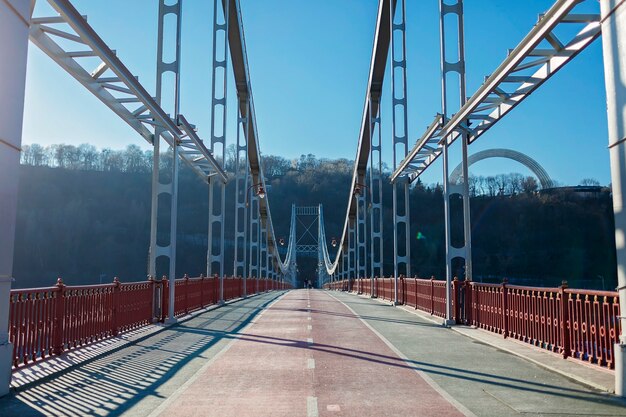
(113, 83)
(541, 54)
(308, 249)
(307, 211)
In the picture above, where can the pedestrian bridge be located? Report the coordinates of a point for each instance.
(311, 353)
(241, 341)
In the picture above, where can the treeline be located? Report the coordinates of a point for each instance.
(85, 215)
(88, 157)
(134, 160)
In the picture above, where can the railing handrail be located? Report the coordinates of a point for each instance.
(599, 293)
(47, 321)
(577, 323)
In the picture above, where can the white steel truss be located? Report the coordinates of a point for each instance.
(401, 222)
(241, 187)
(456, 68)
(535, 60)
(255, 238)
(72, 43)
(168, 249)
(376, 190)
(361, 235)
(217, 191)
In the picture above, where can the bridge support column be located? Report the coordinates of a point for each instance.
(455, 66)
(242, 176)
(614, 49)
(14, 18)
(217, 190)
(164, 181)
(401, 220)
(376, 191)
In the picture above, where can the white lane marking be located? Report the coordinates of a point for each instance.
(309, 340)
(309, 327)
(167, 402)
(308, 318)
(333, 407)
(421, 373)
(311, 407)
(310, 363)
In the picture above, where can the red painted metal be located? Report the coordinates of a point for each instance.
(594, 325)
(134, 308)
(34, 329)
(581, 324)
(48, 321)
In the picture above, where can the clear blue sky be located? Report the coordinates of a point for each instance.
(309, 63)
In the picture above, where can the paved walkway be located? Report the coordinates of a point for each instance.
(311, 353)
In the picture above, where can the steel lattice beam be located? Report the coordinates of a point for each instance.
(113, 83)
(535, 60)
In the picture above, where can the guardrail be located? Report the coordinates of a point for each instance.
(580, 324)
(51, 320)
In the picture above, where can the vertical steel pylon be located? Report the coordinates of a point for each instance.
(322, 250)
(14, 23)
(166, 248)
(217, 189)
(263, 251)
(614, 50)
(352, 252)
(401, 223)
(346, 259)
(360, 232)
(241, 186)
(457, 66)
(255, 232)
(376, 191)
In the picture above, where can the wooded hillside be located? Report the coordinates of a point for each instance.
(85, 216)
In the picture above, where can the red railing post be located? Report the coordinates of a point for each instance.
(116, 305)
(505, 307)
(432, 295)
(154, 303)
(565, 325)
(401, 290)
(216, 288)
(164, 298)
(186, 293)
(201, 290)
(455, 300)
(467, 302)
(59, 315)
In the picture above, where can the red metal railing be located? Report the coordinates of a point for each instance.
(48, 321)
(581, 324)
(33, 324)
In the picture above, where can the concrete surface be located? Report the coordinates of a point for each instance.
(486, 380)
(306, 357)
(136, 379)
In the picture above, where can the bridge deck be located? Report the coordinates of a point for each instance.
(308, 353)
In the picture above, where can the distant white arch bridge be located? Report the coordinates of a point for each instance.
(527, 161)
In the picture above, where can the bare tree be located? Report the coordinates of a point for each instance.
(492, 186)
(529, 185)
(590, 182)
